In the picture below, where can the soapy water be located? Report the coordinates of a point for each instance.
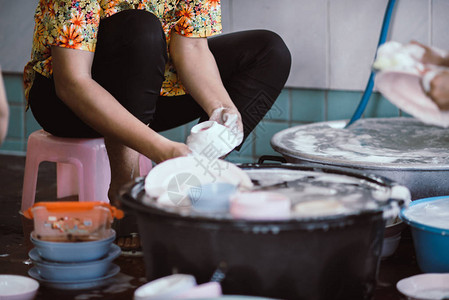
(304, 186)
(380, 141)
(434, 213)
(312, 194)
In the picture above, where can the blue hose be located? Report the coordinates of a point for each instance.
(369, 86)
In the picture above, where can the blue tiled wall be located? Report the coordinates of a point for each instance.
(293, 107)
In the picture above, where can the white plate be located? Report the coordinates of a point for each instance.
(17, 287)
(75, 285)
(404, 90)
(173, 178)
(425, 286)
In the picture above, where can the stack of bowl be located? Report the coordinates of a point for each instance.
(73, 244)
(74, 264)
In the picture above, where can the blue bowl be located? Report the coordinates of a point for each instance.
(431, 243)
(212, 197)
(73, 251)
(74, 271)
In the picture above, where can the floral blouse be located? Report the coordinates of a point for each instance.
(74, 24)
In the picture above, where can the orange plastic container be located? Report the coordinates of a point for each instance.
(72, 221)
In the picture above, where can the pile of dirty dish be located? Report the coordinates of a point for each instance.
(428, 219)
(73, 244)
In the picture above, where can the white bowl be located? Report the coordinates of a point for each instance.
(392, 237)
(430, 286)
(15, 287)
(212, 139)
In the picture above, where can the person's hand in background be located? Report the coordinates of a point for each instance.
(436, 79)
(433, 56)
(4, 110)
(436, 84)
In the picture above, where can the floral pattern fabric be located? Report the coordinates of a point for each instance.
(74, 24)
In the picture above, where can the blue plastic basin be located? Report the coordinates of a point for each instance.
(431, 243)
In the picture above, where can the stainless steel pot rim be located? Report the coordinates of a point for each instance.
(289, 156)
(282, 142)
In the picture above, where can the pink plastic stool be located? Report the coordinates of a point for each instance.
(82, 167)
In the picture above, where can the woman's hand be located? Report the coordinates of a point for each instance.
(231, 118)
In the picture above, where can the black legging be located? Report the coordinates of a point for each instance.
(130, 60)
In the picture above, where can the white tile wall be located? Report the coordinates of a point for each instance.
(332, 42)
(354, 32)
(303, 26)
(16, 33)
(440, 24)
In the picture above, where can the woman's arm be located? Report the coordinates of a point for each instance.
(199, 73)
(98, 108)
(4, 110)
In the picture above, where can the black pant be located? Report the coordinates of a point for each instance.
(130, 60)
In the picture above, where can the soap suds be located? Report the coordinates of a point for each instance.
(434, 213)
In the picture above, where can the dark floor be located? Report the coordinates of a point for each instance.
(15, 229)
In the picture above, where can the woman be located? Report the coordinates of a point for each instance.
(127, 69)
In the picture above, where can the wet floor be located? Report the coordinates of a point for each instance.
(15, 229)
(15, 244)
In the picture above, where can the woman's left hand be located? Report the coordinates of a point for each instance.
(231, 118)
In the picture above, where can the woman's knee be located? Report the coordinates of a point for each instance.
(275, 48)
(145, 26)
